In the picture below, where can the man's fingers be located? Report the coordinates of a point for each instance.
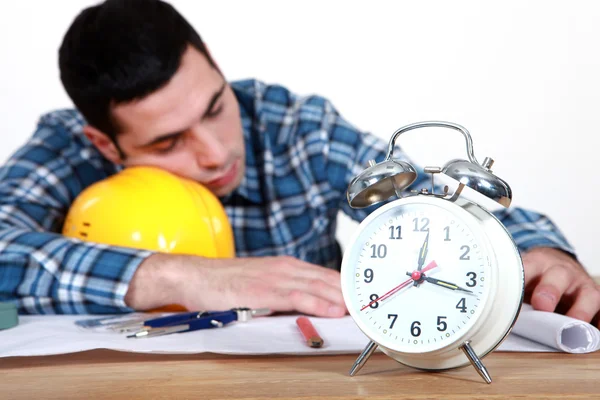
(285, 283)
(298, 299)
(587, 303)
(319, 288)
(303, 302)
(533, 268)
(299, 268)
(310, 304)
(315, 287)
(550, 288)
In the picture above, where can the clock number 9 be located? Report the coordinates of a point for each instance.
(369, 275)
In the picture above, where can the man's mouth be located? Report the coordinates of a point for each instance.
(226, 178)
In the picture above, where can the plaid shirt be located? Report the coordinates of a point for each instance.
(301, 155)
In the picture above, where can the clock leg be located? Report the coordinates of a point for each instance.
(362, 359)
(475, 361)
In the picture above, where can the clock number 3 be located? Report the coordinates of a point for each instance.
(472, 279)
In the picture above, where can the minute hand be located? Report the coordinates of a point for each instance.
(445, 284)
(423, 253)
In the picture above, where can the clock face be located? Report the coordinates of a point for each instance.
(417, 276)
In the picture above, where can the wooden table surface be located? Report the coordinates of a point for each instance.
(105, 374)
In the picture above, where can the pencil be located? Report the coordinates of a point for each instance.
(312, 337)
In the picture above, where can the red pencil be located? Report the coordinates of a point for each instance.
(312, 337)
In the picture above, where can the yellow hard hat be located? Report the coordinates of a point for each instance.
(149, 208)
(152, 209)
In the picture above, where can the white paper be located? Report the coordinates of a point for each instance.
(47, 335)
(516, 343)
(557, 331)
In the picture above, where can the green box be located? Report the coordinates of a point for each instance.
(8, 315)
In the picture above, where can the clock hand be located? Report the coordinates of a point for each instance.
(421, 261)
(445, 284)
(407, 282)
(423, 252)
(391, 292)
(429, 266)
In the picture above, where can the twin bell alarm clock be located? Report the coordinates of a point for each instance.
(434, 280)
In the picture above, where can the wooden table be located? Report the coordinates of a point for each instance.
(104, 374)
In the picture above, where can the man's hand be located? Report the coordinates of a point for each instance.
(555, 281)
(279, 283)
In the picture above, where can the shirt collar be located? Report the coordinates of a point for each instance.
(250, 186)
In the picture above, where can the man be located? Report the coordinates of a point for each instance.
(148, 92)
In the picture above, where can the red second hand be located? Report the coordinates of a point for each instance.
(388, 294)
(429, 266)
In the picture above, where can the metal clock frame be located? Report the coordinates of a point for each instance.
(379, 182)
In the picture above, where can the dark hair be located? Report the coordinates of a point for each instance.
(122, 50)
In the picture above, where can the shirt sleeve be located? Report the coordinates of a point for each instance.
(530, 229)
(349, 151)
(42, 271)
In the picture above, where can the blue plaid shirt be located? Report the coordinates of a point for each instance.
(301, 155)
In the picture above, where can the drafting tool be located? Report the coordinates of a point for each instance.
(192, 321)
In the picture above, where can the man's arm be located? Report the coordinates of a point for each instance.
(280, 283)
(554, 278)
(45, 272)
(41, 270)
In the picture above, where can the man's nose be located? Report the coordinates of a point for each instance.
(209, 150)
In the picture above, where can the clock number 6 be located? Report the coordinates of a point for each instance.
(415, 329)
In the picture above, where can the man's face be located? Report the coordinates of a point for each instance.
(190, 127)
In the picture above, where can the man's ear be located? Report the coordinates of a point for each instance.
(103, 143)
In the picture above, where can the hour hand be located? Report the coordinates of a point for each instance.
(445, 284)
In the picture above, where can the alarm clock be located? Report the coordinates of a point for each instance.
(434, 280)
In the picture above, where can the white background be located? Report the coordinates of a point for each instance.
(522, 76)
